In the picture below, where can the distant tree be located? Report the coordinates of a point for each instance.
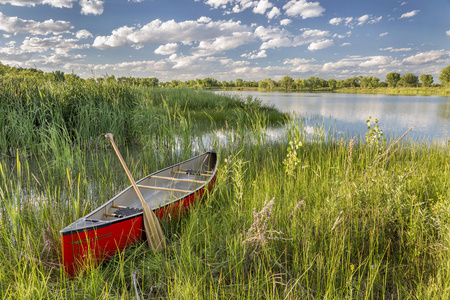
(392, 79)
(286, 82)
(352, 82)
(263, 84)
(239, 82)
(426, 79)
(332, 83)
(444, 77)
(408, 80)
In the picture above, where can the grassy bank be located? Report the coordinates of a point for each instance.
(43, 116)
(311, 219)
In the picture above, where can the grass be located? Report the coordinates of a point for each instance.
(329, 219)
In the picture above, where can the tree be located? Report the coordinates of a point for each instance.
(409, 80)
(392, 79)
(444, 77)
(427, 80)
(286, 82)
(332, 83)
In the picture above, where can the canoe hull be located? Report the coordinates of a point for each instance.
(94, 244)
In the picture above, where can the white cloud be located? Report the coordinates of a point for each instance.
(32, 3)
(17, 25)
(301, 65)
(94, 7)
(391, 49)
(56, 43)
(322, 44)
(285, 22)
(429, 57)
(167, 49)
(355, 63)
(218, 3)
(410, 14)
(83, 34)
(315, 33)
(187, 32)
(275, 12)
(255, 54)
(447, 32)
(363, 19)
(384, 34)
(335, 21)
(221, 44)
(303, 9)
(262, 6)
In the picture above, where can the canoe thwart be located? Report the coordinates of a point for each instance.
(191, 172)
(164, 189)
(178, 179)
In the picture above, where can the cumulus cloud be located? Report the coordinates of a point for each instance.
(447, 32)
(32, 3)
(94, 7)
(56, 43)
(275, 12)
(301, 65)
(384, 34)
(354, 63)
(303, 9)
(322, 44)
(167, 49)
(255, 54)
(187, 32)
(433, 56)
(262, 6)
(410, 14)
(83, 34)
(285, 22)
(17, 25)
(274, 37)
(391, 49)
(218, 3)
(350, 21)
(223, 43)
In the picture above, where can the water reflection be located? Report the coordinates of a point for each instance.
(428, 115)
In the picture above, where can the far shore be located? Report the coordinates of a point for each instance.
(410, 91)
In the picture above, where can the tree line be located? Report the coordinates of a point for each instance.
(392, 80)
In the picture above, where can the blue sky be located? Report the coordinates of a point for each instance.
(227, 39)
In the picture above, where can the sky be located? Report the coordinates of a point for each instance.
(227, 39)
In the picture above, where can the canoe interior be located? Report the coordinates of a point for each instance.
(160, 189)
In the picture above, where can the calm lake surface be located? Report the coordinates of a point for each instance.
(347, 113)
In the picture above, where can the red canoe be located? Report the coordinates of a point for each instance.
(118, 223)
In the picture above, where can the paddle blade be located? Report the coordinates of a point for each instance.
(155, 239)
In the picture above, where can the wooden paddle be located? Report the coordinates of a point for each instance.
(155, 236)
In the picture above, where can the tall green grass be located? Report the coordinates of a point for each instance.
(346, 221)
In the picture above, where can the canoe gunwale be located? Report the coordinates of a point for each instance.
(96, 224)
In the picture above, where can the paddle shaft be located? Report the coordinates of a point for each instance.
(155, 236)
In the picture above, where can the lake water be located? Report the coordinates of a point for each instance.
(347, 113)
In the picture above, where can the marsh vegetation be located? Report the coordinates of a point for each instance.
(303, 217)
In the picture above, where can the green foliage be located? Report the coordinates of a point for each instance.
(444, 77)
(427, 80)
(392, 79)
(408, 80)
